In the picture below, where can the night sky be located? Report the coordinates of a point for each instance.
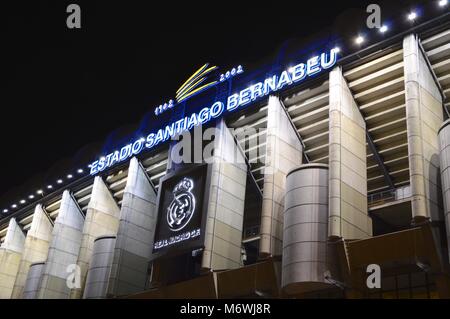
(67, 90)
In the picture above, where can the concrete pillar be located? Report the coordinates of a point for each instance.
(34, 277)
(102, 219)
(10, 255)
(100, 268)
(347, 214)
(444, 143)
(305, 234)
(283, 153)
(36, 247)
(424, 117)
(135, 236)
(63, 252)
(225, 215)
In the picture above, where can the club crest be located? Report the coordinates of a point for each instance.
(182, 207)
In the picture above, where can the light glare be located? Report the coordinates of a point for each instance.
(412, 16)
(384, 28)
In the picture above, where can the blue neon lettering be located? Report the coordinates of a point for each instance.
(169, 131)
(125, 152)
(114, 158)
(245, 96)
(101, 164)
(298, 72)
(328, 60)
(192, 121)
(232, 102)
(150, 140)
(270, 84)
(257, 91)
(217, 109)
(204, 115)
(284, 79)
(313, 66)
(137, 147)
(94, 169)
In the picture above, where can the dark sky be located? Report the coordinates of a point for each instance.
(66, 90)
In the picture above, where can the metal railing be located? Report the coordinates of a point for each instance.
(381, 197)
(251, 231)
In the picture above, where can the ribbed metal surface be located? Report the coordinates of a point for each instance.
(33, 280)
(304, 261)
(100, 268)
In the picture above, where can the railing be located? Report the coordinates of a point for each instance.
(384, 196)
(388, 196)
(251, 231)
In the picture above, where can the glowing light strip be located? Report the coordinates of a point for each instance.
(186, 90)
(192, 76)
(204, 87)
(202, 74)
(239, 99)
(190, 85)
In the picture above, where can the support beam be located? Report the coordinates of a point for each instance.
(225, 214)
(380, 161)
(283, 153)
(10, 256)
(424, 117)
(36, 247)
(63, 251)
(134, 243)
(348, 213)
(102, 219)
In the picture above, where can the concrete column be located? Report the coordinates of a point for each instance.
(34, 277)
(10, 255)
(305, 234)
(100, 268)
(347, 214)
(283, 153)
(102, 219)
(225, 216)
(444, 142)
(424, 117)
(36, 247)
(134, 242)
(63, 251)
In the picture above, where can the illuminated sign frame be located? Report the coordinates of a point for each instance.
(272, 84)
(190, 236)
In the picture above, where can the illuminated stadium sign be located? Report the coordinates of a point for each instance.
(194, 85)
(182, 200)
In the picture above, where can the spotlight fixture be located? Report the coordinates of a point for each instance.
(59, 181)
(80, 171)
(23, 201)
(49, 186)
(40, 192)
(13, 206)
(384, 28)
(443, 3)
(412, 16)
(359, 40)
(31, 196)
(69, 176)
(5, 210)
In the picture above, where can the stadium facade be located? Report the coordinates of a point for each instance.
(318, 169)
